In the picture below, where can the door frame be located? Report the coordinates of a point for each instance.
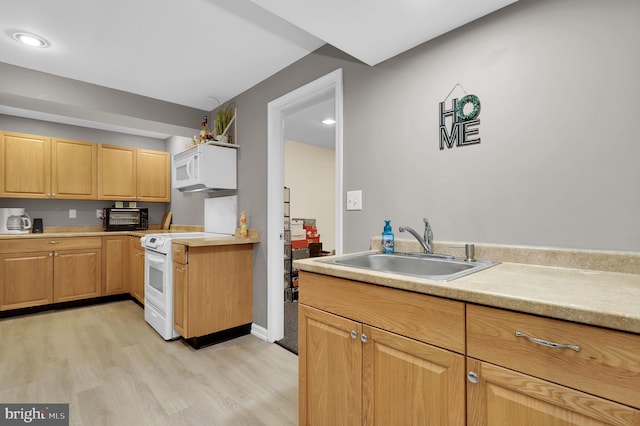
(277, 110)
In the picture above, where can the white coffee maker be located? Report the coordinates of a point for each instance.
(14, 221)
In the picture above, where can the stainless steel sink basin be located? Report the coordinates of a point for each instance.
(421, 266)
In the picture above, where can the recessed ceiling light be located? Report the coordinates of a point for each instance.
(328, 121)
(30, 39)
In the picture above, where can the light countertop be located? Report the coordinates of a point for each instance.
(93, 231)
(252, 238)
(602, 298)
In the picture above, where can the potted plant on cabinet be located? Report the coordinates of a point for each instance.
(224, 120)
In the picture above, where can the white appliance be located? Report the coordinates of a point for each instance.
(220, 221)
(14, 221)
(205, 167)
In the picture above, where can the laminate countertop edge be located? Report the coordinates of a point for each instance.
(252, 238)
(605, 299)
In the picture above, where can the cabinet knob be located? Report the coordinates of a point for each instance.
(363, 338)
(50, 254)
(354, 334)
(472, 377)
(181, 269)
(55, 254)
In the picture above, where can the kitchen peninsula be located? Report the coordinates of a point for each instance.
(538, 342)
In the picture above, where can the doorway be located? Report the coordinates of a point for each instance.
(309, 94)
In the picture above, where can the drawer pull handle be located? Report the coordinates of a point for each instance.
(54, 242)
(548, 343)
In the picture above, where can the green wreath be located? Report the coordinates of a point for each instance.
(465, 100)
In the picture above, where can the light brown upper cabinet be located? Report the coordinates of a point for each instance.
(154, 175)
(74, 169)
(35, 166)
(41, 167)
(116, 173)
(133, 174)
(26, 166)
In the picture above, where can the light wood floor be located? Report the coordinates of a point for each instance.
(114, 369)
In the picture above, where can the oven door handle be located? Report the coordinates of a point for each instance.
(154, 258)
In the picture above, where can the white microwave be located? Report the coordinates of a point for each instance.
(205, 168)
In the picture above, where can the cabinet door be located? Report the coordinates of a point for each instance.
(330, 369)
(26, 279)
(136, 269)
(116, 173)
(153, 175)
(77, 274)
(115, 260)
(503, 397)
(74, 169)
(180, 298)
(407, 382)
(26, 166)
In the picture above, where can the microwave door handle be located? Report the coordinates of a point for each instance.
(191, 163)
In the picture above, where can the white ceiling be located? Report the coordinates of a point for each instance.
(201, 53)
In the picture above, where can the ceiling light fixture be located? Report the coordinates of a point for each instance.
(328, 121)
(30, 39)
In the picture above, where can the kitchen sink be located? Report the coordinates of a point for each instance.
(434, 267)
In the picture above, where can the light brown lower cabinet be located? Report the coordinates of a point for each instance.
(26, 279)
(533, 370)
(77, 274)
(352, 373)
(213, 288)
(115, 264)
(37, 272)
(504, 397)
(366, 358)
(136, 269)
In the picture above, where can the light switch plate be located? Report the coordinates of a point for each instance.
(72, 213)
(354, 200)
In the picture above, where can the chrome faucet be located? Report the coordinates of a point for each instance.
(424, 241)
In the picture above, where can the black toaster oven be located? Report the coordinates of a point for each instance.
(125, 219)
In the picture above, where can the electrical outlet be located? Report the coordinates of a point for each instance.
(99, 213)
(72, 213)
(354, 200)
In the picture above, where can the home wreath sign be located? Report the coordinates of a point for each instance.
(463, 121)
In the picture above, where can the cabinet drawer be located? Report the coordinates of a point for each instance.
(45, 244)
(179, 253)
(432, 320)
(607, 364)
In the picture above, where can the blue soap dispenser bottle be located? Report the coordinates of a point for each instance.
(387, 238)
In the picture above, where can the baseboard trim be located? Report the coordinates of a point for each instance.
(66, 305)
(259, 331)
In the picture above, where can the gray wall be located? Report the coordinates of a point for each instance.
(557, 165)
(56, 212)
